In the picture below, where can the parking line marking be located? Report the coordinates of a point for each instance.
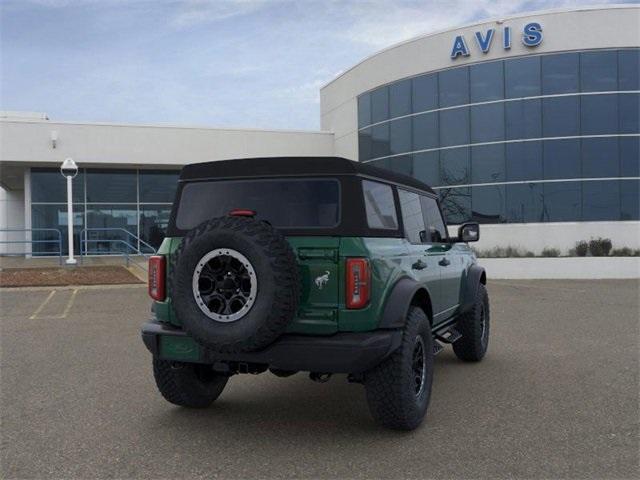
(42, 305)
(69, 303)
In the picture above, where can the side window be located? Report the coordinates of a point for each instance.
(380, 206)
(412, 217)
(437, 232)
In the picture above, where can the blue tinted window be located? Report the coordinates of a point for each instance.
(402, 164)
(426, 167)
(600, 157)
(629, 156)
(454, 87)
(454, 127)
(154, 220)
(524, 203)
(522, 77)
(364, 110)
(487, 81)
(158, 186)
(599, 71)
(629, 200)
(523, 161)
(365, 147)
(48, 185)
(454, 166)
(111, 186)
(561, 159)
(380, 104)
(599, 114)
(487, 164)
(425, 131)
(629, 69)
(380, 140)
(601, 200)
(114, 218)
(523, 119)
(488, 204)
(560, 116)
(562, 201)
(400, 98)
(456, 204)
(629, 112)
(560, 73)
(487, 123)
(400, 135)
(425, 92)
(53, 216)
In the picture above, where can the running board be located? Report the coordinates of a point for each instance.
(449, 335)
(437, 347)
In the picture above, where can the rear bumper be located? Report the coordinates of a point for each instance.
(339, 353)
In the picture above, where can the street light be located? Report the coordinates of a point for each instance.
(69, 170)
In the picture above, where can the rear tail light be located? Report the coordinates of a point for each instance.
(157, 264)
(358, 283)
(242, 212)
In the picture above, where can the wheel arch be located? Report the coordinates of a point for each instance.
(475, 276)
(406, 293)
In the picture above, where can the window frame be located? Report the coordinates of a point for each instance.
(404, 230)
(442, 217)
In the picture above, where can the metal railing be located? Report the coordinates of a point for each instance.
(131, 244)
(31, 241)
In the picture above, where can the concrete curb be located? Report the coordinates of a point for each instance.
(566, 268)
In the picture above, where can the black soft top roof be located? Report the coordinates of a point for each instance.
(293, 166)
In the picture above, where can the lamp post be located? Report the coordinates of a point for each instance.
(69, 170)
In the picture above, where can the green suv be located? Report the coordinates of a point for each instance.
(321, 265)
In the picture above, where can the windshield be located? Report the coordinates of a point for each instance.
(290, 203)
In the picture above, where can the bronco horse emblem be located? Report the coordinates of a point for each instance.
(322, 280)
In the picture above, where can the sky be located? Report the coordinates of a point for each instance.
(220, 63)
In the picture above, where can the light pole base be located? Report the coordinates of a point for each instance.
(71, 261)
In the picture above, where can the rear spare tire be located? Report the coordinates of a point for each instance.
(234, 284)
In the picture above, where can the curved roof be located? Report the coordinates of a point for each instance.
(498, 20)
(293, 167)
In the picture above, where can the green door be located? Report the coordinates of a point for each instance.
(447, 263)
(422, 261)
(321, 282)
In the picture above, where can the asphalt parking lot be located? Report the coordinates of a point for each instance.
(557, 396)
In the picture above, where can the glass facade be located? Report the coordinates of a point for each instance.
(118, 201)
(544, 138)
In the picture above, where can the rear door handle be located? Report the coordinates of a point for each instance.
(444, 262)
(419, 265)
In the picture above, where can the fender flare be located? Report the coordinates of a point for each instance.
(398, 302)
(475, 276)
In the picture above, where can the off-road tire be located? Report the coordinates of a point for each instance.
(278, 280)
(473, 344)
(390, 386)
(188, 384)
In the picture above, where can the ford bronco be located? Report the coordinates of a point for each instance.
(321, 265)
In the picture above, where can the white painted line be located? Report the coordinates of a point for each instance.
(69, 303)
(73, 287)
(42, 305)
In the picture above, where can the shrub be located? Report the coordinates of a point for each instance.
(600, 247)
(581, 248)
(550, 252)
(504, 252)
(625, 252)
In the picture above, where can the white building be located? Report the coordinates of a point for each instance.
(527, 124)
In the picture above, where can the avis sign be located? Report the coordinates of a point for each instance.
(531, 37)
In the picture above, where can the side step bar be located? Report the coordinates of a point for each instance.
(445, 335)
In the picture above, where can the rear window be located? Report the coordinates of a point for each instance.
(292, 203)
